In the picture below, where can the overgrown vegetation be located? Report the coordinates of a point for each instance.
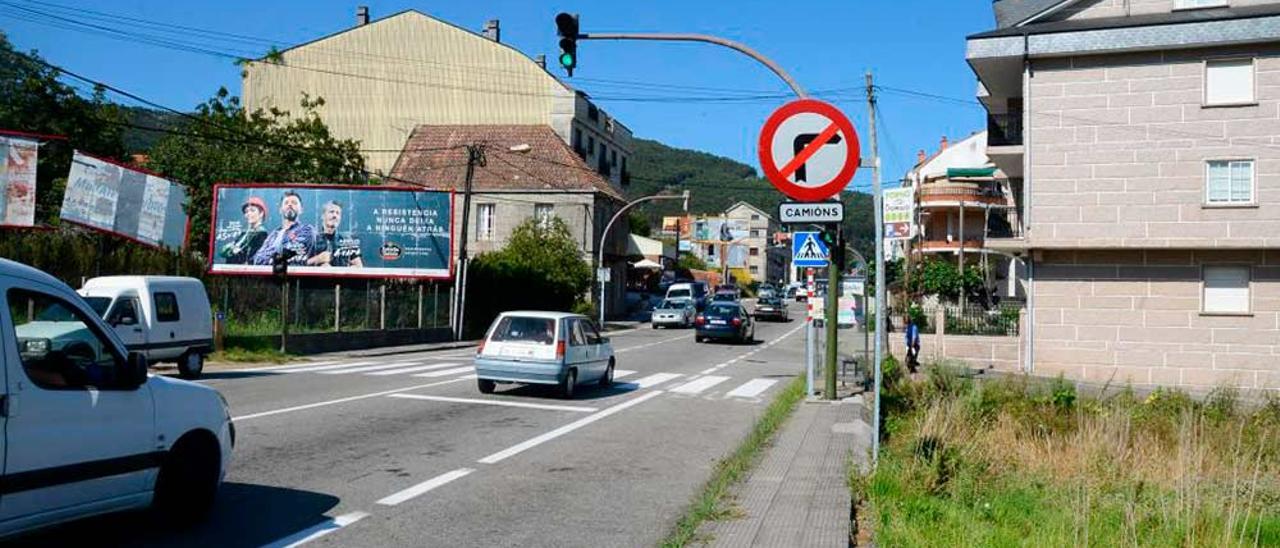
(1018, 462)
(711, 503)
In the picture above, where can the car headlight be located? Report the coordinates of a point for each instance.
(35, 346)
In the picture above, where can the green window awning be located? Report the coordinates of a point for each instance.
(970, 172)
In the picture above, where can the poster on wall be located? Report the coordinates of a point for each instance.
(18, 158)
(333, 231)
(141, 206)
(899, 213)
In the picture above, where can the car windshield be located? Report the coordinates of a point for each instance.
(671, 304)
(525, 329)
(722, 310)
(99, 305)
(723, 297)
(674, 293)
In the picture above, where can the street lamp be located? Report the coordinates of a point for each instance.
(605, 235)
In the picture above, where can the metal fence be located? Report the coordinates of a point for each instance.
(251, 306)
(1000, 320)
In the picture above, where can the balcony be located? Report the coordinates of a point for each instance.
(1004, 129)
(953, 193)
(1005, 231)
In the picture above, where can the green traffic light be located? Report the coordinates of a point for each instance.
(567, 60)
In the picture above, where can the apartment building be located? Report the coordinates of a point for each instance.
(961, 199)
(764, 262)
(1145, 134)
(381, 78)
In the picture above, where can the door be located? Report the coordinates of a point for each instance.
(599, 353)
(125, 320)
(580, 353)
(75, 438)
(165, 339)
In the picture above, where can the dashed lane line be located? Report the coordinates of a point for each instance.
(318, 530)
(345, 400)
(500, 403)
(539, 440)
(422, 488)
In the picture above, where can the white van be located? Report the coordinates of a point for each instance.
(166, 318)
(695, 291)
(86, 430)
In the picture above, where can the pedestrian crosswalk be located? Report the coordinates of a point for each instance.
(676, 384)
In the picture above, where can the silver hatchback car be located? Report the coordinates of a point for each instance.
(552, 348)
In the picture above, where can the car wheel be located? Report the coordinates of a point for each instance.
(655, 326)
(607, 380)
(190, 365)
(188, 480)
(697, 339)
(486, 386)
(570, 382)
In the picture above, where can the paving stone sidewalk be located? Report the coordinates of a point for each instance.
(798, 495)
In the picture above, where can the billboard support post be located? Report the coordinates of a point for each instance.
(284, 313)
(337, 307)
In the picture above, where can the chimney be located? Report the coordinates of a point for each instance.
(920, 156)
(541, 60)
(362, 16)
(943, 145)
(491, 30)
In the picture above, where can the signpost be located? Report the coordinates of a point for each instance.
(810, 152)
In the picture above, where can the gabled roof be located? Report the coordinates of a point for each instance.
(756, 209)
(1011, 13)
(435, 157)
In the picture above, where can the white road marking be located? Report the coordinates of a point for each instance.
(318, 530)
(697, 386)
(323, 367)
(619, 373)
(415, 369)
(447, 372)
(503, 403)
(344, 400)
(422, 488)
(366, 368)
(751, 388)
(642, 346)
(539, 440)
(654, 379)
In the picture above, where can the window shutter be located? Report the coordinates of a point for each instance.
(1226, 289)
(1229, 81)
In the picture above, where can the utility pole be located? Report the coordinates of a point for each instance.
(881, 319)
(475, 157)
(963, 292)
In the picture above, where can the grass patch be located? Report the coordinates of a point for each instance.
(1014, 462)
(244, 355)
(710, 503)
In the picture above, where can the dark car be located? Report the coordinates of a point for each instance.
(773, 308)
(724, 321)
(724, 297)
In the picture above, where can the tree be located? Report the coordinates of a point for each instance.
(541, 268)
(223, 143)
(639, 224)
(689, 261)
(33, 100)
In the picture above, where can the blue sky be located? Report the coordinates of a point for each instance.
(827, 45)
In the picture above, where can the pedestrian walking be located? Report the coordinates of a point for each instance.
(913, 344)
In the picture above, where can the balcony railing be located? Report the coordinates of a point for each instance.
(1004, 129)
(986, 192)
(1004, 223)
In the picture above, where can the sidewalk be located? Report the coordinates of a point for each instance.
(799, 495)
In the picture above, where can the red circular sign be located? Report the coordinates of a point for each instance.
(838, 130)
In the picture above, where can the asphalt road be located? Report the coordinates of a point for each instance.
(404, 451)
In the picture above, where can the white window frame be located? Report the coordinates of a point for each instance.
(1253, 183)
(543, 212)
(485, 223)
(1204, 92)
(1204, 300)
(1180, 5)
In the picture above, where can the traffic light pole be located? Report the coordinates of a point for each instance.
(704, 38)
(832, 314)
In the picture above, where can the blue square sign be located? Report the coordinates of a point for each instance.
(808, 250)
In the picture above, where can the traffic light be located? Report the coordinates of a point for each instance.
(567, 28)
(280, 262)
(834, 239)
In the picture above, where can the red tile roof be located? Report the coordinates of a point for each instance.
(435, 157)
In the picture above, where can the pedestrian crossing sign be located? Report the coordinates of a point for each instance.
(807, 250)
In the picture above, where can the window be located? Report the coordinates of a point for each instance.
(593, 336)
(1229, 182)
(755, 217)
(484, 231)
(1197, 4)
(525, 329)
(1226, 289)
(58, 346)
(166, 307)
(543, 213)
(755, 252)
(755, 233)
(591, 145)
(125, 312)
(593, 113)
(613, 157)
(755, 269)
(577, 336)
(1228, 82)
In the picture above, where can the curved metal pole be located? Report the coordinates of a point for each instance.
(705, 38)
(605, 235)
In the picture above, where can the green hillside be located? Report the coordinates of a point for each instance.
(715, 183)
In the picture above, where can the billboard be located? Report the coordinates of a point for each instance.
(358, 231)
(141, 206)
(899, 213)
(18, 181)
(719, 230)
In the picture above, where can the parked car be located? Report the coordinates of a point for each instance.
(729, 288)
(166, 318)
(724, 321)
(773, 308)
(674, 313)
(553, 348)
(765, 292)
(725, 297)
(87, 431)
(696, 291)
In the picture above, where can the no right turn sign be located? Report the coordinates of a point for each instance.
(809, 150)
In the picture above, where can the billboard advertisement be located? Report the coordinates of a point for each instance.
(333, 231)
(141, 206)
(18, 181)
(899, 213)
(719, 230)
